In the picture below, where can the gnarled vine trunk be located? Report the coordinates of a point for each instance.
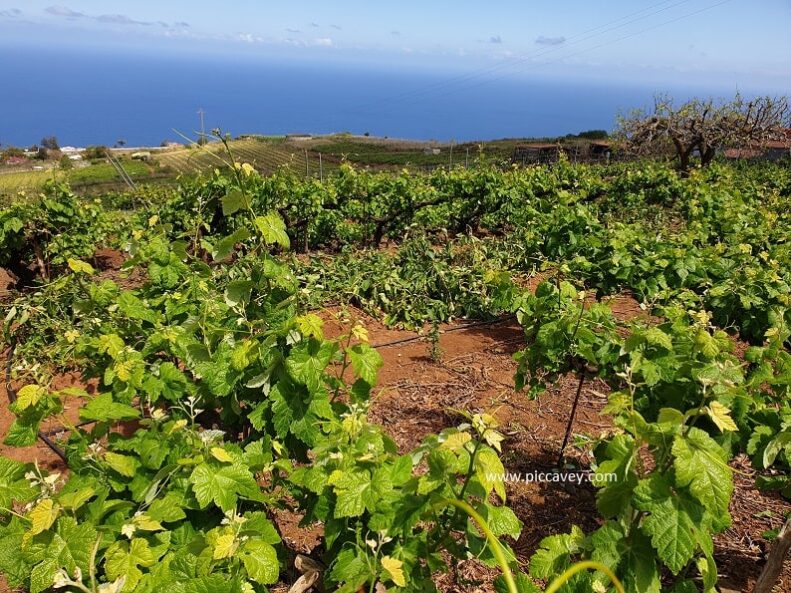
(774, 564)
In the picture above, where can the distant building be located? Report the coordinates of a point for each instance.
(742, 153)
(600, 150)
(773, 150)
(142, 155)
(524, 154)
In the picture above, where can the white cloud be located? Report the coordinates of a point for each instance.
(550, 40)
(120, 19)
(107, 19)
(11, 13)
(249, 38)
(64, 11)
(323, 42)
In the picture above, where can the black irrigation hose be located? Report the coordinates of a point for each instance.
(44, 436)
(55, 431)
(12, 398)
(445, 331)
(570, 424)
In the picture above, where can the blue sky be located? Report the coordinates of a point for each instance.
(735, 43)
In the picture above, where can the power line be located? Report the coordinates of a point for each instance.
(518, 60)
(439, 86)
(611, 42)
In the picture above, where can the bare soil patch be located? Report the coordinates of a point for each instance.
(7, 281)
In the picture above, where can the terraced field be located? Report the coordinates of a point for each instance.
(265, 156)
(101, 174)
(13, 182)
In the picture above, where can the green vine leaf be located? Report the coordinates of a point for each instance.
(272, 229)
(701, 465)
(223, 485)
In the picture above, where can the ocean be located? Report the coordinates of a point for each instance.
(86, 98)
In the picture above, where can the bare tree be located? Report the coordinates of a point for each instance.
(703, 127)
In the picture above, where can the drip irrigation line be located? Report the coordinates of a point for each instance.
(45, 436)
(55, 431)
(570, 424)
(12, 398)
(445, 331)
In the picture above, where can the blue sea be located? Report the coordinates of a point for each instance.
(88, 98)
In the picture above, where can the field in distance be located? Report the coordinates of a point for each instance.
(308, 155)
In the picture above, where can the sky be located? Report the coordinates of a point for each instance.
(735, 43)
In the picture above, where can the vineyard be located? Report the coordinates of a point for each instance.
(265, 156)
(276, 382)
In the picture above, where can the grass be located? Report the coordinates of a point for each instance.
(19, 181)
(103, 172)
(98, 173)
(383, 153)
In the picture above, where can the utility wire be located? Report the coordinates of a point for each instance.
(613, 41)
(440, 92)
(584, 35)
